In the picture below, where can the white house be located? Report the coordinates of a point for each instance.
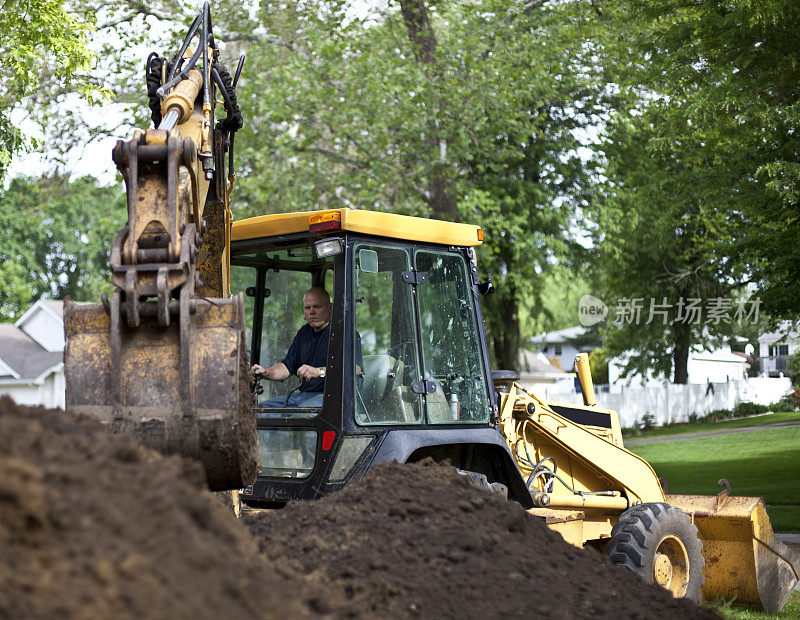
(704, 366)
(717, 380)
(776, 347)
(716, 365)
(559, 347)
(32, 356)
(536, 372)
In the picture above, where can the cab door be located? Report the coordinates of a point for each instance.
(415, 319)
(387, 386)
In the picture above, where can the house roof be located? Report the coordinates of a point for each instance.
(26, 357)
(562, 335)
(784, 333)
(537, 364)
(56, 306)
(52, 306)
(723, 354)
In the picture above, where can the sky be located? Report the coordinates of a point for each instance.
(93, 159)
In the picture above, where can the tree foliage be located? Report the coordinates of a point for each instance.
(465, 110)
(734, 67)
(39, 40)
(665, 214)
(55, 239)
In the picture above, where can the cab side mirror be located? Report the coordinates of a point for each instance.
(486, 288)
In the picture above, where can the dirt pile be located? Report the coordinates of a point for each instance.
(93, 526)
(420, 540)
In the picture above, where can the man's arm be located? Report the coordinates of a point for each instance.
(278, 372)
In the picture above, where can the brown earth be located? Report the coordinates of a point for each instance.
(418, 540)
(92, 525)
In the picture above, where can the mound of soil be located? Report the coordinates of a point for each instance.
(94, 526)
(421, 540)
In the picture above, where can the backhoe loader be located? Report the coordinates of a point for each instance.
(407, 374)
(408, 377)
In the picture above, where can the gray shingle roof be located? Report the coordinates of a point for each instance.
(530, 362)
(22, 353)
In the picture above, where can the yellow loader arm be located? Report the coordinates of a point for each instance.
(164, 359)
(592, 490)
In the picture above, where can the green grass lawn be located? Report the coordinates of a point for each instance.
(733, 612)
(678, 429)
(758, 462)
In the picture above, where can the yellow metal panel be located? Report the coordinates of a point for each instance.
(603, 461)
(568, 523)
(598, 527)
(368, 222)
(744, 560)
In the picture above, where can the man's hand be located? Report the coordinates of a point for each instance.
(278, 372)
(257, 372)
(306, 372)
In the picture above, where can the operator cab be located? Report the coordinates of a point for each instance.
(407, 369)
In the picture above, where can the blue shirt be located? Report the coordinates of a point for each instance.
(309, 347)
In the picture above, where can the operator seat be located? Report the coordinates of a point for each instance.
(383, 375)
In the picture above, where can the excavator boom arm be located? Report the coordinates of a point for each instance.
(164, 358)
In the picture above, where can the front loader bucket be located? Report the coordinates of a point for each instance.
(744, 560)
(177, 389)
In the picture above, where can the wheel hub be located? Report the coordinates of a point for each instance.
(662, 570)
(671, 566)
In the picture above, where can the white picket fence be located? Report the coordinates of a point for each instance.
(674, 403)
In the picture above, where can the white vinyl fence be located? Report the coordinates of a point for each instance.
(674, 403)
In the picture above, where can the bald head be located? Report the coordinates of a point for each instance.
(317, 308)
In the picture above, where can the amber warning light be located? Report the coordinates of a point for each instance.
(325, 222)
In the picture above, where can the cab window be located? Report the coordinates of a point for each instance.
(450, 347)
(280, 277)
(420, 349)
(385, 326)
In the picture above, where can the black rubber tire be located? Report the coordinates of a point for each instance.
(647, 528)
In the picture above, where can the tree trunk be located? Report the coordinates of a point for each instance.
(506, 346)
(420, 33)
(503, 326)
(680, 354)
(441, 197)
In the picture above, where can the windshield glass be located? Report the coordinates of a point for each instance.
(450, 346)
(288, 304)
(410, 376)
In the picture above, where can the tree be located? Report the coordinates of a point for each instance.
(735, 67)
(454, 110)
(55, 239)
(38, 38)
(666, 213)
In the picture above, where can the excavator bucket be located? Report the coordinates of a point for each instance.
(180, 389)
(744, 560)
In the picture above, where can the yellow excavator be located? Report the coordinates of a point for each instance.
(407, 374)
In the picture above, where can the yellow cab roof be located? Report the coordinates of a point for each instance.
(355, 220)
